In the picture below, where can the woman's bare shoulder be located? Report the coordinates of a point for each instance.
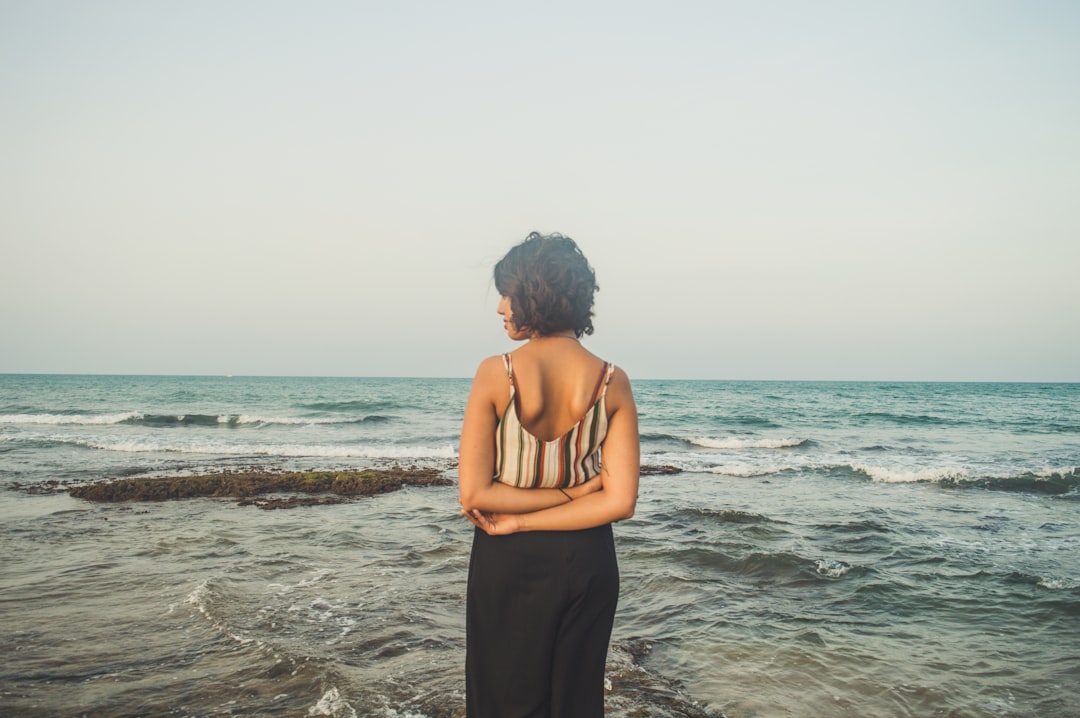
(619, 391)
(618, 374)
(491, 369)
(490, 377)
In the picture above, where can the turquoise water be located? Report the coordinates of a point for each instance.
(822, 548)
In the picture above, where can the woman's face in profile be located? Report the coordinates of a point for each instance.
(507, 313)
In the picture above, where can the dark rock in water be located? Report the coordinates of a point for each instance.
(52, 486)
(330, 487)
(634, 692)
(663, 469)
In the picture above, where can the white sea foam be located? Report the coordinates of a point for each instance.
(736, 442)
(135, 416)
(332, 704)
(832, 569)
(281, 589)
(388, 712)
(200, 598)
(141, 446)
(69, 419)
(319, 575)
(1057, 473)
(1059, 584)
(908, 475)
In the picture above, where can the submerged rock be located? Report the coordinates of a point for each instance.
(328, 486)
(663, 469)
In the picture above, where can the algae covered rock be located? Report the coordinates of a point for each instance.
(321, 487)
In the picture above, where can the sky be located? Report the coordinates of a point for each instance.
(767, 190)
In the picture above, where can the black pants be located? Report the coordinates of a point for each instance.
(538, 621)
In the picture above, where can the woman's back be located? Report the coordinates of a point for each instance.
(557, 381)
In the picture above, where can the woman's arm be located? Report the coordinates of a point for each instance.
(476, 455)
(614, 502)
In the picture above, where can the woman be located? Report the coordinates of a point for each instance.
(548, 460)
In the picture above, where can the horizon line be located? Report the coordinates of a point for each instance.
(215, 375)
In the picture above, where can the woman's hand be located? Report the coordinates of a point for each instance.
(491, 523)
(592, 485)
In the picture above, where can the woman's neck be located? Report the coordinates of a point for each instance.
(569, 334)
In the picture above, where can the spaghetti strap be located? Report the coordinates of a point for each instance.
(510, 375)
(601, 385)
(513, 382)
(607, 378)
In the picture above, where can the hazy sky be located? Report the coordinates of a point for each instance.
(767, 190)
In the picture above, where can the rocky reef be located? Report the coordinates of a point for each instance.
(289, 489)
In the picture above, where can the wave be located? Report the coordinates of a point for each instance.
(735, 442)
(749, 420)
(745, 471)
(831, 568)
(273, 665)
(1048, 481)
(1050, 583)
(1042, 426)
(174, 420)
(907, 475)
(184, 420)
(1058, 427)
(74, 419)
(358, 405)
(910, 419)
(204, 598)
(332, 704)
(731, 516)
(1024, 426)
(646, 436)
(1056, 481)
(860, 527)
(783, 565)
(374, 451)
(1059, 584)
(234, 420)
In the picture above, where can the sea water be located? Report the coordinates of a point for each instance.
(799, 549)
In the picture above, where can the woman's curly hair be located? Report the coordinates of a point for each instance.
(550, 285)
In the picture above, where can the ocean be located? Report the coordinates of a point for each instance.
(799, 549)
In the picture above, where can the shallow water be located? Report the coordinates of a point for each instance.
(826, 549)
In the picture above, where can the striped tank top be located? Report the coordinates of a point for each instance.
(525, 461)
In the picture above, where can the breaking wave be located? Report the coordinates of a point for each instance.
(339, 451)
(736, 442)
(173, 420)
(1049, 481)
(72, 419)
